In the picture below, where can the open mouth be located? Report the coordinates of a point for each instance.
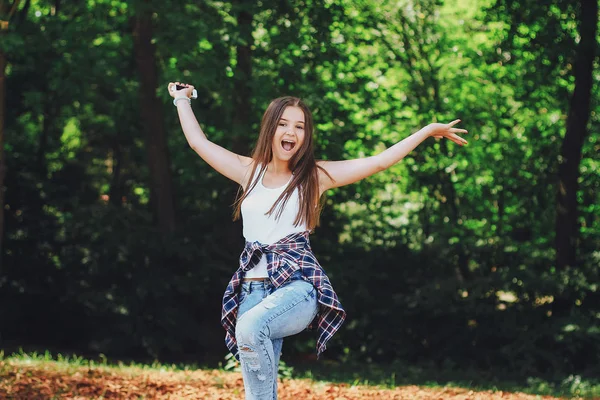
(288, 145)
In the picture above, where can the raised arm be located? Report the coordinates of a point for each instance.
(350, 171)
(232, 165)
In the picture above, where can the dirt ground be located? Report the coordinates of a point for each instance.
(41, 381)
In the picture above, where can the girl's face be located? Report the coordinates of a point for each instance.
(289, 135)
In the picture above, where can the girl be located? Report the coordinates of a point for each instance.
(279, 288)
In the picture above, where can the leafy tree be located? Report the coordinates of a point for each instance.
(567, 224)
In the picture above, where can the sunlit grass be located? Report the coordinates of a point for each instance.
(388, 377)
(73, 362)
(570, 386)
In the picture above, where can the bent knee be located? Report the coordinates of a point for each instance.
(249, 334)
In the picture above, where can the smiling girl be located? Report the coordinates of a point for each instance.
(279, 288)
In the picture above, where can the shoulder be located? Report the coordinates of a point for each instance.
(251, 166)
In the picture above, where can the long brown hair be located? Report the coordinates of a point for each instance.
(304, 168)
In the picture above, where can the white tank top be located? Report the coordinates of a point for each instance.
(265, 229)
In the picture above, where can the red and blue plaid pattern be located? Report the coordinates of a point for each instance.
(288, 255)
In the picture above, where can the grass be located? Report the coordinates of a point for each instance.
(571, 386)
(72, 362)
(391, 376)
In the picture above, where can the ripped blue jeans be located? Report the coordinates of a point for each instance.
(266, 315)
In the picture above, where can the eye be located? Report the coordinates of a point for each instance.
(299, 127)
(282, 124)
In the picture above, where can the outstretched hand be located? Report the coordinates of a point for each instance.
(447, 131)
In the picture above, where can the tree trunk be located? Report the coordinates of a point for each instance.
(2, 158)
(48, 129)
(6, 11)
(242, 106)
(116, 187)
(567, 227)
(151, 114)
(242, 76)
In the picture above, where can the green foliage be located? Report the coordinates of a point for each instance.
(445, 258)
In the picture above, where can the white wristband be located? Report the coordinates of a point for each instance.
(181, 98)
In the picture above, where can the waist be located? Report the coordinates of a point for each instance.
(255, 279)
(296, 236)
(295, 276)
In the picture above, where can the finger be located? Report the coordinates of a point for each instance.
(458, 139)
(456, 121)
(456, 130)
(454, 138)
(458, 142)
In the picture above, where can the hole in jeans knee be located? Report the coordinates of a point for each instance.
(249, 359)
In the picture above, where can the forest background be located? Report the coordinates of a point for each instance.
(117, 239)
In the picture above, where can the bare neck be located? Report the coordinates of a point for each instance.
(278, 167)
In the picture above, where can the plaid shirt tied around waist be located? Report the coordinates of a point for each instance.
(288, 255)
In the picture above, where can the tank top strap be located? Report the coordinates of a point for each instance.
(254, 177)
